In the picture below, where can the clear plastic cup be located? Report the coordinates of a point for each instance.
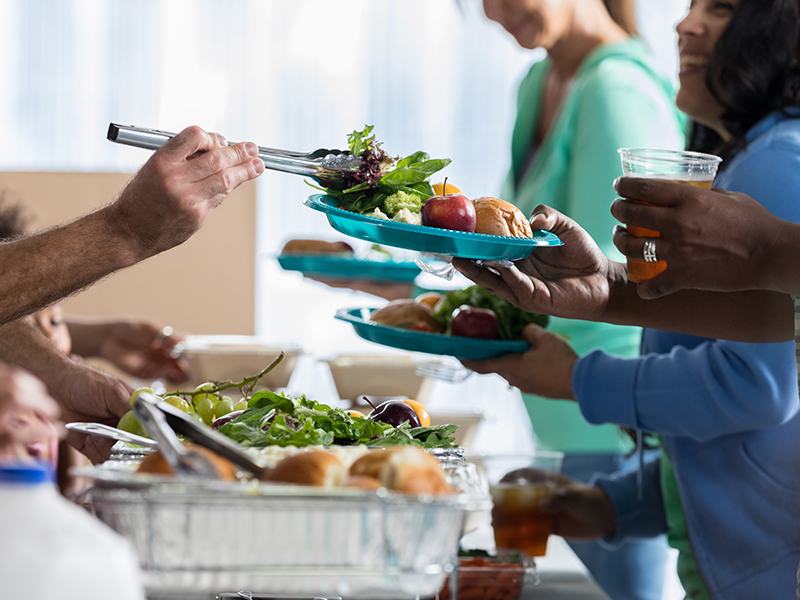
(517, 519)
(690, 168)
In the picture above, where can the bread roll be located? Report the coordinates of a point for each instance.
(156, 464)
(405, 469)
(407, 314)
(316, 247)
(364, 483)
(498, 217)
(317, 467)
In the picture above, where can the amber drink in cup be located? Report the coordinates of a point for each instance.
(519, 485)
(690, 168)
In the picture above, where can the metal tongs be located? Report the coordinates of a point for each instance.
(332, 169)
(162, 421)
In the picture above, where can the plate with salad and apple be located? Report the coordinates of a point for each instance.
(470, 324)
(394, 204)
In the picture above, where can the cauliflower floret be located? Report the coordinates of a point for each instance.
(378, 214)
(402, 201)
(406, 216)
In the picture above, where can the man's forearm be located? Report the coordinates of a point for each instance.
(757, 316)
(784, 259)
(23, 345)
(40, 269)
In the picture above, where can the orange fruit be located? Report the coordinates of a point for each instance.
(438, 189)
(422, 412)
(429, 299)
(356, 414)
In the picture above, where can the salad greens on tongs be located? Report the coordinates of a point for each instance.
(384, 183)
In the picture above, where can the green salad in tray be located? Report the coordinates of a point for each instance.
(385, 187)
(274, 419)
(263, 418)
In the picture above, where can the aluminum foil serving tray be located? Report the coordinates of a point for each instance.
(197, 538)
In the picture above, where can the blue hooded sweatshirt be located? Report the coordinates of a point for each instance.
(727, 412)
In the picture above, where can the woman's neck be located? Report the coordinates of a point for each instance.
(591, 27)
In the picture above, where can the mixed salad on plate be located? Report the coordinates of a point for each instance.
(472, 312)
(400, 190)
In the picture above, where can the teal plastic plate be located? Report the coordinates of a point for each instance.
(430, 343)
(349, 267)
(478, 246)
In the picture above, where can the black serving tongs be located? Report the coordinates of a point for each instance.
(332, 169)
(162, 421)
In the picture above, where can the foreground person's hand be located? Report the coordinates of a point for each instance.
(569, 281)
(711, 240)
(171, 196)
(545, 369)
(28, 415)
(86, 394)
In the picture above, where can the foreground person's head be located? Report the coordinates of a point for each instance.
(543, 23)
(739, 63)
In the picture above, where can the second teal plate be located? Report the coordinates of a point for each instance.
(430, 343)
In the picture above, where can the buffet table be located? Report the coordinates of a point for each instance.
(562, 575)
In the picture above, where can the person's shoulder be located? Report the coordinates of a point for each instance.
(783, 136)
(624, 65)
(768, 169)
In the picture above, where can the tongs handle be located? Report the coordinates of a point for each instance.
(285, 161)
(177, 421)
(155, 424)
(101, 430)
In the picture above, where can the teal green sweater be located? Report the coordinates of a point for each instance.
(617, 100)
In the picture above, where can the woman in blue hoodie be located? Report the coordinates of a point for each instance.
(727, 486)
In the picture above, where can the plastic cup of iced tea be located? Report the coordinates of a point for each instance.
(519, 484)
(690, 168)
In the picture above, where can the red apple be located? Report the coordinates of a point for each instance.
(475, 322)
(451, 211)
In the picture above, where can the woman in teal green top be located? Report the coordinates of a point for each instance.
(596, 91)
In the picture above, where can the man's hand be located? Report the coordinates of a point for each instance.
(86, 394)
(711, 240)
(171, 196)
(28, 415)
(569, 281)
(140, 348)
(545, 369)
(580, 511)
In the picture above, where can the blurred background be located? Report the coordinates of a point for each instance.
(433, 75)
(299, 74)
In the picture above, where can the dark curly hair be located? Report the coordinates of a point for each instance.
(14, 220)
(753, 71)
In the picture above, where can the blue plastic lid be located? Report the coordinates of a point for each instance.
(25, 473)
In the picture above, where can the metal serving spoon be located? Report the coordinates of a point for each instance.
(332, 169)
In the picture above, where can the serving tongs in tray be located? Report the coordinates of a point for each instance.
(162, 421)
(332, 169)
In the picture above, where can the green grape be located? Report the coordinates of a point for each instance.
(205, 408)
(131, 424)
(198, 398)
(241, 404)
(179, 403)
(139, 391)
(223, 407)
